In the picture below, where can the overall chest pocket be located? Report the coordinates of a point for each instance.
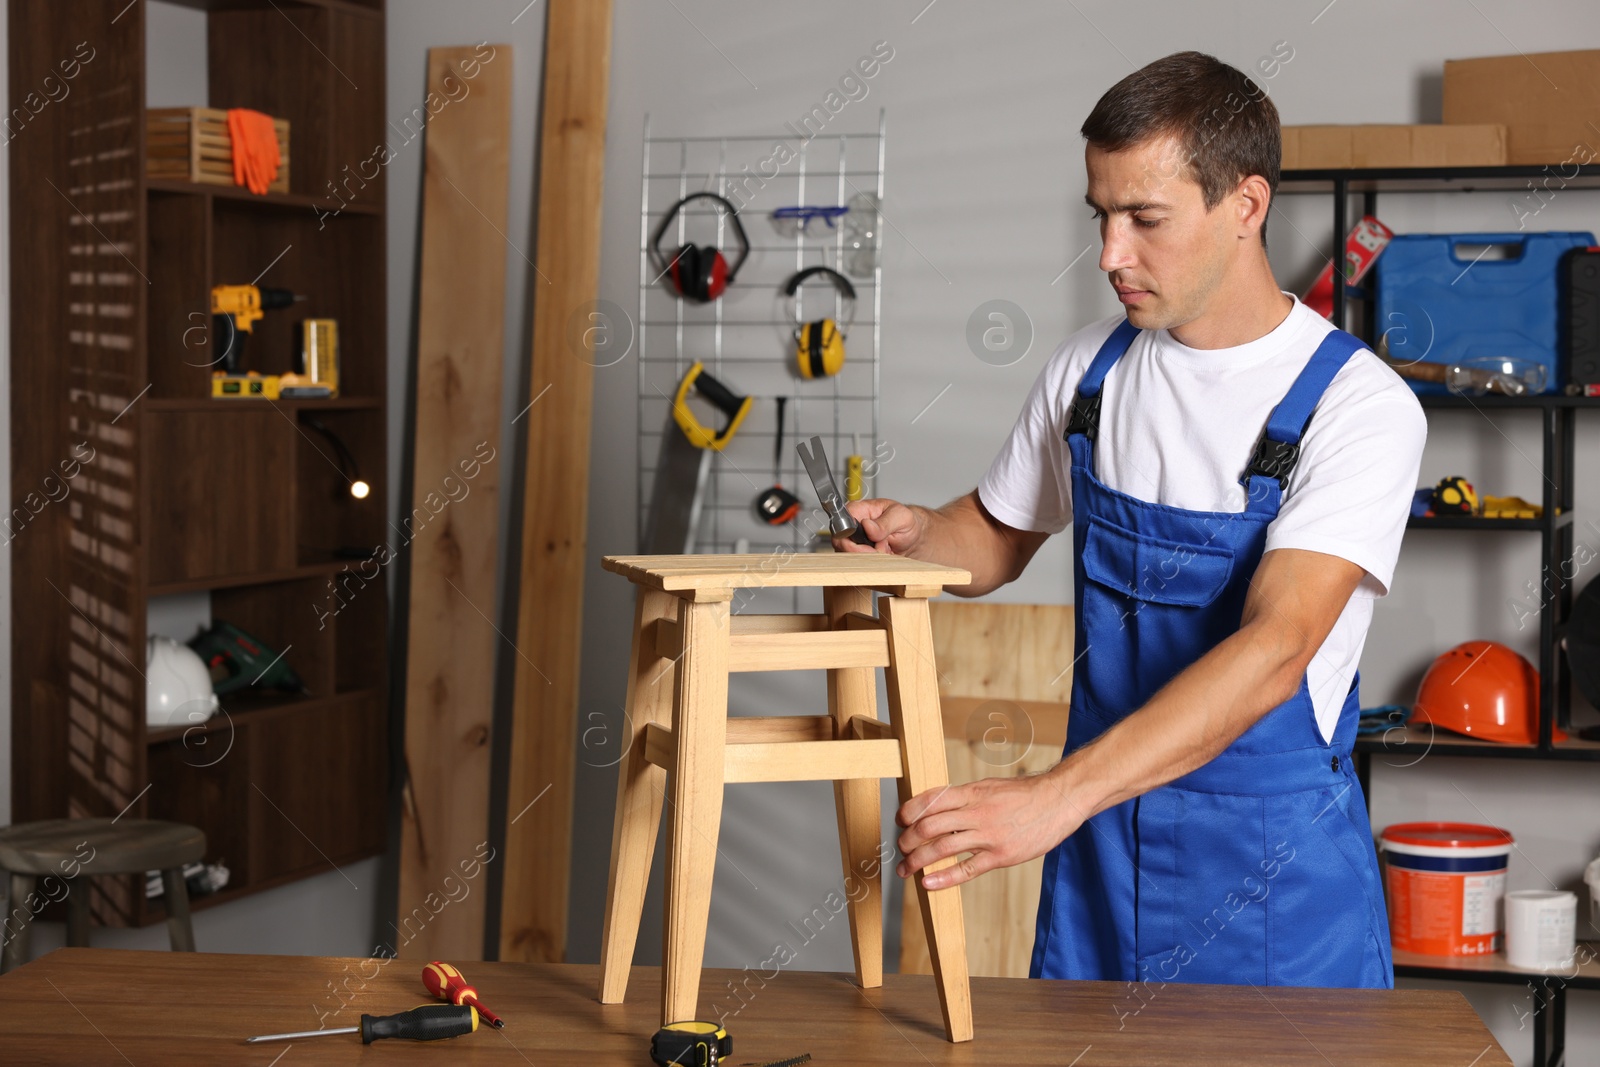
(1154, 570)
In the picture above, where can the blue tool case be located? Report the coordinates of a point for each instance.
(1446, 297)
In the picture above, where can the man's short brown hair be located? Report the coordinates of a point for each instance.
(1225, 123)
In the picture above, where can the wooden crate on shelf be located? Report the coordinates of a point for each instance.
(193, 144)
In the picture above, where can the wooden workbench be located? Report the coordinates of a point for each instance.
(102, 1006)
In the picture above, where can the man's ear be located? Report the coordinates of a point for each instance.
(1253, 197)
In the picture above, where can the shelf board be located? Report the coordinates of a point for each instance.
(1472, 522)
(250, 706)
(276, 201)
(206, 403)
(1583, 973)
(304, 570)
(1548, 400)
(1442, 179)
(346, 6)
(1411, 743)
(155, 909)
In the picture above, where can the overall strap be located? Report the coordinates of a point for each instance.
(1085, 415)
(1267, 477)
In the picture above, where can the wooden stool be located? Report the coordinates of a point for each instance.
(686, 641)
(69, 849)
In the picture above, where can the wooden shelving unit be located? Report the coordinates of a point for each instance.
(186, 494)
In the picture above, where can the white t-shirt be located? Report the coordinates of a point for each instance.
(1178, 426)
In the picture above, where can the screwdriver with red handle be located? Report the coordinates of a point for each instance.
(445, 982)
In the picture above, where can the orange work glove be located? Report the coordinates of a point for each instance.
(256, 157)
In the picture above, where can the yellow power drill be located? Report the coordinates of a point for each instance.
(235, 309)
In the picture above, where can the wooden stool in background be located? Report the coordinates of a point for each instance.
(73, 849)
(686, 641)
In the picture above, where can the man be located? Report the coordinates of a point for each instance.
(1237, 475)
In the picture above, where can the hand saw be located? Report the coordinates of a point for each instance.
(684, 465)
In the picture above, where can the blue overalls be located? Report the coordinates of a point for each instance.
(1259, 866)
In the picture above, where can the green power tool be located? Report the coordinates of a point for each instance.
(238, 661)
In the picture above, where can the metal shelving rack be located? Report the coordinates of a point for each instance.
(744, 338)
(1558, 416)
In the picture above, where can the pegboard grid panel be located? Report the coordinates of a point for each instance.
(745, 339)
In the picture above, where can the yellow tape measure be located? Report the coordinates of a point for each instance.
(690, 1044)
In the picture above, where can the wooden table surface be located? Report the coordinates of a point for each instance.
(104, 1006)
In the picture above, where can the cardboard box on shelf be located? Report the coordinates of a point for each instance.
(1323, 147)
(1546, 103)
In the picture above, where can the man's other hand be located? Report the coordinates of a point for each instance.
(1000, 821)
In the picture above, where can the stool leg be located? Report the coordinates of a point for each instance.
(913, 685)
(641, 787)
(700, 730)
(78, 913)
(18, 924)
(179, 929)
(854, 691)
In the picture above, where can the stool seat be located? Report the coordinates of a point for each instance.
(125, 846)
(72, 850)
(688, 637)
(713, 576)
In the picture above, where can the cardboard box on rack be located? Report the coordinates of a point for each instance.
(1546, 103)
(1324, 147)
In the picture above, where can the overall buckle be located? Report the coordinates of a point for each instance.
(1084, 417)
(1274, 459)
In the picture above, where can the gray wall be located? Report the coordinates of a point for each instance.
(985, 179)
(984, 201)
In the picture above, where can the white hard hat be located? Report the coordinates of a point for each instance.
(177, 686)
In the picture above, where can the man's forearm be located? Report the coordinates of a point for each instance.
(1185, 725)
(961, 535)
(1295, 598)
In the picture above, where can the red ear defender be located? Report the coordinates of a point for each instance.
(717, 277)
(700, 273)
(684, 270)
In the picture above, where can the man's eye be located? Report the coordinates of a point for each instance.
(1148, 224)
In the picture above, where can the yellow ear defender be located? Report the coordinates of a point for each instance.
(819, 345)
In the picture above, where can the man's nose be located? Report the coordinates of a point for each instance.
(1115, 251)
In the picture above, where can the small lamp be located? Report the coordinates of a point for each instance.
(359, 488)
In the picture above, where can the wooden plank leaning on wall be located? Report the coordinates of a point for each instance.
(556, 487)
(455, 505)
(1005, 679)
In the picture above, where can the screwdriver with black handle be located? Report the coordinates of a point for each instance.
(427, 1023)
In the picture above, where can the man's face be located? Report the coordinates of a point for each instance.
(1166, 255)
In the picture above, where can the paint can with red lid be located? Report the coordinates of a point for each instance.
(1446, 883)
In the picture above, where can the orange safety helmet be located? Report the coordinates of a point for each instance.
(1484, 690)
